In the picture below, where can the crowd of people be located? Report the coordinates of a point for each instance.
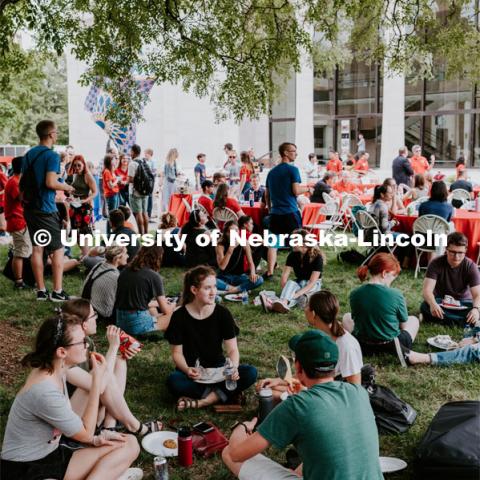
(65, 419)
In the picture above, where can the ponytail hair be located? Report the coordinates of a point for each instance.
(53, 333)
(381, 262)
(194, 278)
(325, 306)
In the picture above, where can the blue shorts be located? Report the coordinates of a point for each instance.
(135, 322)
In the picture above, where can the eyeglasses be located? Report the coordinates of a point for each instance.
(84, 342)
(77, 165)
(95, 315)
(53, 131)
(231, 158)
(456, 253)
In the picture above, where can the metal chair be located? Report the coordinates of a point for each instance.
(349, 200)
(327, 197)
(331, 211)
(462, 197)
(424, 224)
(413, 206)
(366, 221)
(222, 215)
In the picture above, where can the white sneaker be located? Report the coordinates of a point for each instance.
(132, 474)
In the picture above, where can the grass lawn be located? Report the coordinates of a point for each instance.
(262, 338)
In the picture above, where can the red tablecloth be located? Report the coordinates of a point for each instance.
(256, 212)
(352, 187)
(310, 212)
(466, 222)
(178, 208)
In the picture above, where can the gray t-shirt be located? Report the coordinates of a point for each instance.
(36, 421)
(104, 288)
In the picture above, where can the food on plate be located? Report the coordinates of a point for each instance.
(445, 341)
(170, 443)
(449, 301)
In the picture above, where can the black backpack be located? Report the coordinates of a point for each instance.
(352, 257)
(28, 185)
(392, 414)
(87, 288)
(450, 448)
(144, 180)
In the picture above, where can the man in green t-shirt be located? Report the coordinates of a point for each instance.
(331, 424)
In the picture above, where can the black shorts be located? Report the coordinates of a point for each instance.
(50, 222)
(285, 223)
(370, 348)
(53, 466)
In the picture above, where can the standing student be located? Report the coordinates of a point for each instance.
(200, 171)
(138, 200)
(110, 185)
(41, 213)
(121, 173)
(170, 174)
(246, 172)
(151, 164)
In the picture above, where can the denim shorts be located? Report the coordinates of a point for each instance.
(134, 322)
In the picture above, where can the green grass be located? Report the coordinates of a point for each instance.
(262, 338)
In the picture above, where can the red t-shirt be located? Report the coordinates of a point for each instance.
(361, 165)
(246, 171)
(206, 203)
(335, 165)
(3, 182)
(232, 204)
(13, 206)
(124, 176)
(108, 177)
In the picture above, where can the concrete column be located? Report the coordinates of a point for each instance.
(393, 119)
(304, 111)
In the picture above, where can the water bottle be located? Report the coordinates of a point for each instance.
(228, 372)
(468, 331)
(245, 297)
(251, 198)
(265, 403)
(241, 199)
(185, 449)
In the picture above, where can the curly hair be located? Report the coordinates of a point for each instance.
(147, 257)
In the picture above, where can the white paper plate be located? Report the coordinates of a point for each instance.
(433, 342)
(392, 464)
(153, 443)
(234, 297)
(451, 307)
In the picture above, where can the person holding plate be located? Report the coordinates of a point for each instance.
(452, 275)
(198, 333)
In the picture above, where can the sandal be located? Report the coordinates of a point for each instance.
(188, 403)
(152, 427)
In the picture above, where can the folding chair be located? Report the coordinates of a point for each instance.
(222, 215)
(365, 221)
(423, 224)
(348, 202)
(460, 197)
(331, 211)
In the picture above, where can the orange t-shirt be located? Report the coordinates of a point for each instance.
(108, 177)
(335, 165)
(246, 171)
(361, 165)
(420, 165)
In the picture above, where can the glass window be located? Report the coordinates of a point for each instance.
(357, 84)
(323, 96)
(323, 138)
(323, 110)
(413, 94)
(447, 137)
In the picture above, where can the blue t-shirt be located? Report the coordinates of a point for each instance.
(200, 168)
(434, 207)
(48, 161)
(279, 184)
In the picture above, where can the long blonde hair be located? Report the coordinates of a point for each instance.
(172, 156)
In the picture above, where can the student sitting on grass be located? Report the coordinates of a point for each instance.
(198, 333)
(231, 262)
(41, 417)
(140, 302)
(322, 314)
(171, 256)
(113, 406)
(307, 264)
(379, 317)
(100, 286)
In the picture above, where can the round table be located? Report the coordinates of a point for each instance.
(465, 221)
(178, 208)
(257, 212)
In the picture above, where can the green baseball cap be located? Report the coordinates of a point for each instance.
(315, 350)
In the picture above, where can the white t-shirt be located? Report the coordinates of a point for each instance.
(132, 169)
(350, 360)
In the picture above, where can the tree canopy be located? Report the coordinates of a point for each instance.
(235, 51)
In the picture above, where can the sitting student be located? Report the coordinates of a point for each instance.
(438, 203)
(100, 286)
(419, 190)
(197, 332)
(457, 276)
(117, 222)
(205, 199)
(461, 183)
(257, 189)
(222, 200)
(322, 314)
(382, 197)
(41, 413)
(113, 406)
(194, 254)
(171, 256)
(139, 284)
(231, 262)
(395, 204)
(323, 422)
(307, 264)
(325, 185)
(246, 223)
(379, 317)
(127, 213)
